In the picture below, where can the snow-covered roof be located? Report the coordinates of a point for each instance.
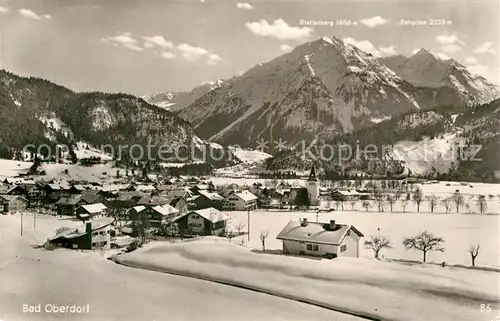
(96, 225)
(211, 195)
(316, 232)
(72, 200)
(211, 214)
(9, 198)
(145, 188)
(114, 187)
(153, 200)
(246, 196)
(94, 208)
(166, 209)
(139, 208)
(54, 186)
(348, 192)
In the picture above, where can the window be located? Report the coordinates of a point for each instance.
(94, 244)
(315, 247)
(343, 248)
(309, 247)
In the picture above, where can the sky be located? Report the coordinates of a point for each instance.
(153, 46)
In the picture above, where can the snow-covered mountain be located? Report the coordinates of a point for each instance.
(36, 111)
(176, 101)
(456, 143)
(320, 88)
(451, 79)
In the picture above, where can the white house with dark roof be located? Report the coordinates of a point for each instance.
(327, 240)
(95, 234)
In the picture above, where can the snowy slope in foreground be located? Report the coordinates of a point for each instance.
(66, 277)
(359, 286)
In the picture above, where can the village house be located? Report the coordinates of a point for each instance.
(152, 201)
(180, 203)
(91, 211)
(241, 201)
(12, 203)
(349, 195)
(17, 190)
(208, 199)
(329, 240)
(208, 221)
(161, 214)
(133, 213)
(53, 192)
(198, 188)
(76, 189)
(95, 234)
(68, 205)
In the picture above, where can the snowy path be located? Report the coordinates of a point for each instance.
(63, 277)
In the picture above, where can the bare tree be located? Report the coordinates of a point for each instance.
(229, 235)
(391, 199)
(482, 205)
(380, 202)
(378, 243)
(398, 195)
(263, 236)
(468, 209)
(353, 204)
(418, 197)
(474, 252)
(366, 205)
(239, 227)
(447, 204)
(458, 199)
(424, 242)
(404, 203)
(433, 200)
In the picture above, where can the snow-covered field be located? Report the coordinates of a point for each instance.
(368, 288)
(64, 277)
(12, 168)
(421, 156)
(96, 173)
(249, 156)
(458, 230)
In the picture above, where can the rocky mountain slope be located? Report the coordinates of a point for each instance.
(325, 88)
(35, 111)
(454, 84)
(320, 88)
(176, 101)
(450, 143)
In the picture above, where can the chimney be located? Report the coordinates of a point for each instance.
(332, 224)
(88, 231)
(304, 222)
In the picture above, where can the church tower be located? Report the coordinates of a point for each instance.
(312, 185)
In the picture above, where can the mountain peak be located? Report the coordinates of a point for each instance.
(423, 53)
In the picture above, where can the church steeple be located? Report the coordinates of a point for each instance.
(312, 175)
